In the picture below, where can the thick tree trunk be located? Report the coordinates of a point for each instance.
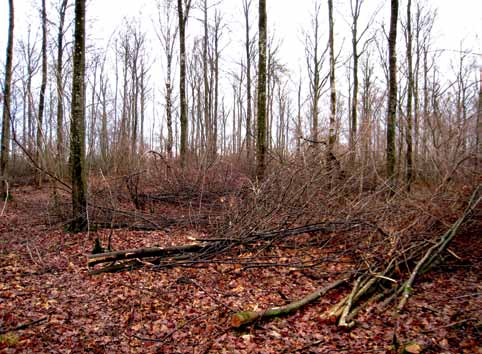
(5, 142)
(392, 93)
(332, 136)
(183, 16)
(261, 124)
(77, 126)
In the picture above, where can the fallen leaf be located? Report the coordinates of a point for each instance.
(413, 348)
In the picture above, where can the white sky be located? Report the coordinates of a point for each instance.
(457, 20)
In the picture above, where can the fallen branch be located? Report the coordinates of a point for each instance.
(206, 248)
(244, 317)
(436, 250)
(94, 259)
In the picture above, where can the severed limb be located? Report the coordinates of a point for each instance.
(244, 317)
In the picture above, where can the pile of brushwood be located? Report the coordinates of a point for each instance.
(388, 237)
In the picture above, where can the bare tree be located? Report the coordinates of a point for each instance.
(206, 89)
(43, 85)
(247, 48)
(410, 91)
(392, 91)
(331, 134)
(5, 147)
(60, 81)
(77, 125)
(357, 36)
(183, 7)
(103, 136)
(314, 60)
(167, 35)
(261, 134)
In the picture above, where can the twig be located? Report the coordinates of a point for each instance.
(23, 326)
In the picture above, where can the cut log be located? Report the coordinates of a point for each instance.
(244, 317)
(94, 259)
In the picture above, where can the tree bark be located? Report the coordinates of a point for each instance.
(261, 124)
(245, 317)
(392, 93)
(77, 126)
(5, 143)
(409, 133)
(43, 86)
(183, 16)
(60, 86)
(354, 103)
(332, 136)
(94, 259)
(247, 48)
(167, 37)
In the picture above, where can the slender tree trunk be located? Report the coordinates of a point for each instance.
(77, 126)
(478, 127)
(60, 86)
(93, 113)
(5, 143)
(143, 107)
(409, 132)
(299, 130)
(43, 86)
(207, 118)
(425, 102)
(104, 140)
(183, 16)
(332, 136)
(247, 47)
(261, 134)
(392, 92)
(354, 99)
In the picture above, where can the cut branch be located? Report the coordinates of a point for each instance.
(94, 259)
(244, 317)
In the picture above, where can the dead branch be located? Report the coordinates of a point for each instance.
(242, 318)
(94, 259)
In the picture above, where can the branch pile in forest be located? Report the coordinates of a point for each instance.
(203, 250)
(371, 286)
(385, 270)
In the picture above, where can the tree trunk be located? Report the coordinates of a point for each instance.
(355, 11)
(77, 126)
(60, 86)
(207, 117)
(247, 47)
(43, 86)
(5, 143)
(409, 133)
(392, 93)
(478, 128)
(183, 16)
(332, 136)
(261, 134)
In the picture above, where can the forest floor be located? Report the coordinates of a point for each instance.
(46, 286)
